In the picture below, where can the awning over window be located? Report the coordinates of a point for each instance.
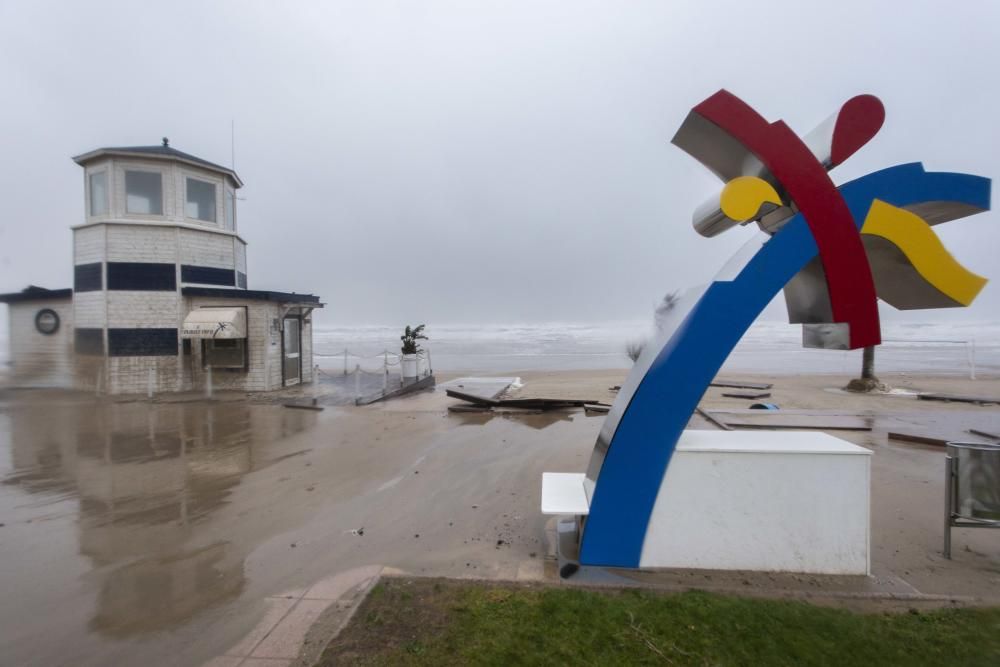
(215, 323)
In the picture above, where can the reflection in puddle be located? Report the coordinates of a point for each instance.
(143, 477)
(536, 421)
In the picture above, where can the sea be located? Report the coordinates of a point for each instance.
(769, 347)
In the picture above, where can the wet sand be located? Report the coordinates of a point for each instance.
(138, 533)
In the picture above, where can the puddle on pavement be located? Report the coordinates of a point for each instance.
(128, 482)
(535, 421)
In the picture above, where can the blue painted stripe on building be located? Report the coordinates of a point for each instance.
(142, 342)
(88, 277)
(207, 275)
(142, 276)
(641, 448)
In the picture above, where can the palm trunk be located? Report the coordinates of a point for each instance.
(868, 363)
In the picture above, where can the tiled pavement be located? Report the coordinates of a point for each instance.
(278, 638)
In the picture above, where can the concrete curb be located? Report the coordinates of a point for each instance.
(285, 636)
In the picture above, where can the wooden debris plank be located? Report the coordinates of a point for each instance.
(747, 394)
(597, 409)
(708, 415)
(984, 434)
(919, 439)
(790, 411)
(469, 408)
(731, 384)
(776, 420)
(541, 403)
(472, 398)
(517, 411)
(304, 406)
(983, 400)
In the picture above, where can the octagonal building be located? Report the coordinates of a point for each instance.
(159, 299)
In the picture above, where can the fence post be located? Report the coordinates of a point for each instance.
(150, 382)
(208, 382)
(430, 367)
(345, 361)
(385, 371)
(357, 381)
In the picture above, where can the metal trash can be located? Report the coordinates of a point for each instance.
(972, 488)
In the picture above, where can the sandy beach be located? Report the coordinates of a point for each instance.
(157, 532)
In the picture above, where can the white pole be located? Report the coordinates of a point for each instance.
(970, 350)
(385, 371)
(430, 367)
(357, 381)
(345, 362)
(150, 383)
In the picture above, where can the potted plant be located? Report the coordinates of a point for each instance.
(410, 350)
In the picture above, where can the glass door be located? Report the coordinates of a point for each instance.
(291, 348)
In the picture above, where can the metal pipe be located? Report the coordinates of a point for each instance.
(949, 473)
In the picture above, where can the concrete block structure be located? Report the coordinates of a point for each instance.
(159, 299)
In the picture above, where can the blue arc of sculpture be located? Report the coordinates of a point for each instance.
(640, 433)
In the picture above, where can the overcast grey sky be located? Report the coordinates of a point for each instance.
(475, 161)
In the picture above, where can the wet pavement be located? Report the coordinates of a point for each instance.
(162, 533)
(138, 533)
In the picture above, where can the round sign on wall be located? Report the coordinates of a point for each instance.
(47, 321)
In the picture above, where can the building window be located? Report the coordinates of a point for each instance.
(200, 200)
(230, 210)
(144, 192)
(224, 353)
(88, 277)
(99, 193)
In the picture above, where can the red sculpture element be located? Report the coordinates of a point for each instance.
(859, 120)
(796, 169)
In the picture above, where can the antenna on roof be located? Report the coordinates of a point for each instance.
(166, 141)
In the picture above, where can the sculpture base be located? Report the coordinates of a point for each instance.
(752, 500)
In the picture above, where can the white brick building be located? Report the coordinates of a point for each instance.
(160, 294)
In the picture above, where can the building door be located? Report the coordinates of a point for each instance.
(292, 351)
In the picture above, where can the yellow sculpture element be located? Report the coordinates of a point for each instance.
(924, 250)
(743, 197)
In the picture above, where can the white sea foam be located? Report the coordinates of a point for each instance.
(769, 347)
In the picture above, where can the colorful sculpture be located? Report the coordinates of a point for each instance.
(832, 250)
